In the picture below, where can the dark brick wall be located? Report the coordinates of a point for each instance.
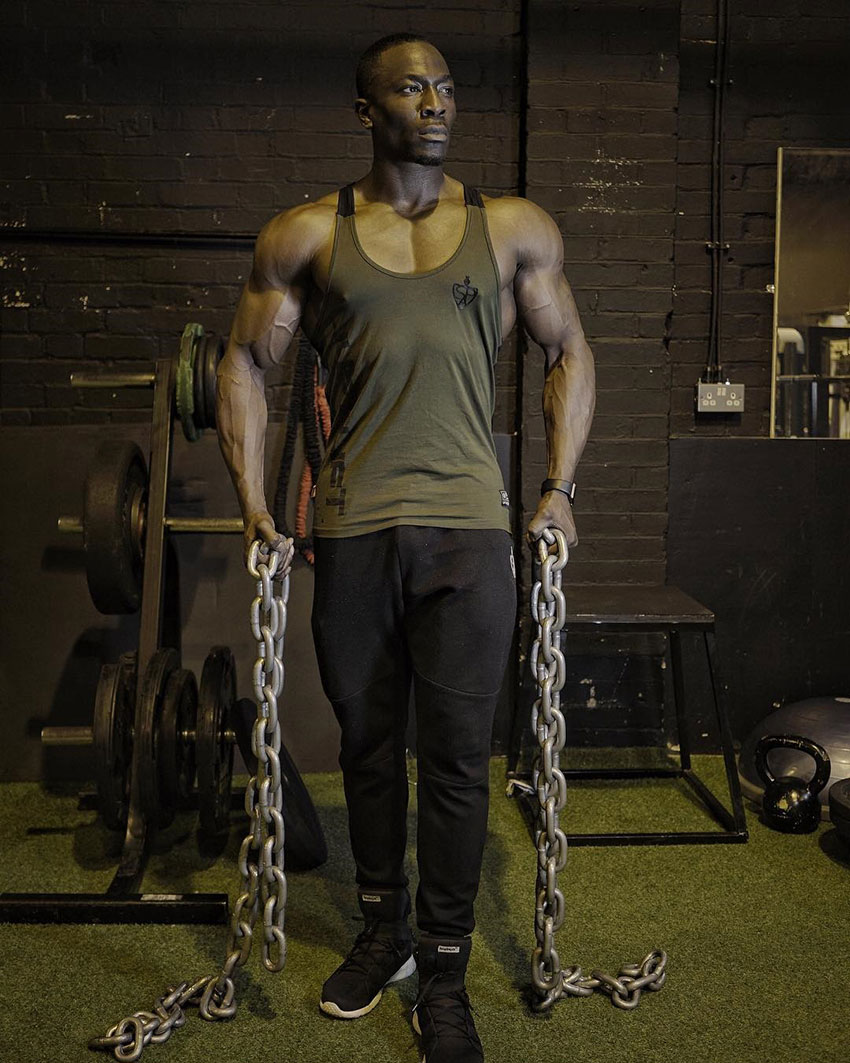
(199, 117)
(602, 157)
(787, 65)
(208, 117)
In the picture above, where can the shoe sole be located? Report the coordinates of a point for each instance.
(336, 1012)
(418, 1031)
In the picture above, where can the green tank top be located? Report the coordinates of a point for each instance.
(410, 361)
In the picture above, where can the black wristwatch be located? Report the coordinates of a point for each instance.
(566, 487)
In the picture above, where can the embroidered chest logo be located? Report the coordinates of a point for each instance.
(464, 293)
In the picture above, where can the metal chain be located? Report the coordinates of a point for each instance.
(261, 859)
(548, 665)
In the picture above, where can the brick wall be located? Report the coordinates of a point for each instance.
(602, 159)
(787, 65)
(207, 117)
(203, 118)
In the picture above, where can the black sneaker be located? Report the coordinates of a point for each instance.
(381, 954)
(442, 1015)
(356, 985)
(443, 1019)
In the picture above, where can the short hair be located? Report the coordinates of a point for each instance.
(368, 63)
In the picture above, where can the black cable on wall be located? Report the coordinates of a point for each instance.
(717, 246)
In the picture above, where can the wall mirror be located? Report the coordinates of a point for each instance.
(811, 310)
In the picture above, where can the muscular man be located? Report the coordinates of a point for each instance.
(406, 282)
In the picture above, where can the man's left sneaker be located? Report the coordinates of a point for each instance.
(442, 1015)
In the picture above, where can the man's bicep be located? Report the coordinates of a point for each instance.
(544, 300)
(266, 321)
(547, 308)
(273, 300)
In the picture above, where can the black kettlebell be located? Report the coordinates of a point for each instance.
(790, 803)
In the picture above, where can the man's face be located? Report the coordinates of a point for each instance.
(411, 108)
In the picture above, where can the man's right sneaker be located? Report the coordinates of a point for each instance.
(381, 954)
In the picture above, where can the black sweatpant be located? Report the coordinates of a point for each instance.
(435, 606)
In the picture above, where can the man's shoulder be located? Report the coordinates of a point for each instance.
(303, 221)
(290, 240)
(523, 227)
(515, 210)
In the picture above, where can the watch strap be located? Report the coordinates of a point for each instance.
(566, 487)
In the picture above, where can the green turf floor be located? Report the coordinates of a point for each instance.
(758, 937)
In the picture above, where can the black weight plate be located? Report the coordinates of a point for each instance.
(304, 845)
(839, 807)
(112, 735)
(212, 356)
(175, 755)
(154, 805)
(213, 746)
(188, 364)
(113, 527)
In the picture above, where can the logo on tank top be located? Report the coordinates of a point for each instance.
(464, 293)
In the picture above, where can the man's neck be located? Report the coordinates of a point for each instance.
(409, 188)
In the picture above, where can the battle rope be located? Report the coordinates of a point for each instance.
(548, 665)
(308, 409)
(261, 859)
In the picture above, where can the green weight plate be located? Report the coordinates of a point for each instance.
(214, 747)
(112, 735)
(188, 363)
(154, 804)
(175, 755)
(113, 527)
(212, 356)
(200, 414)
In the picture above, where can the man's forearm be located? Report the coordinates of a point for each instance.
(569, 399)
(242, 417)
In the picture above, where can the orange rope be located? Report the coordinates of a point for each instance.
(323, 411)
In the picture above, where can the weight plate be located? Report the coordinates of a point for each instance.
(304, 844)
(154, 804)
(839, 807)
(200, 414)
(214, 745)
(175, 754)
(112, 735)
(212, 356)
(113, 527)
(188, 363)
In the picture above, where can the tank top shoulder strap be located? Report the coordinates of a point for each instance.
(345, 202)
(472, 197)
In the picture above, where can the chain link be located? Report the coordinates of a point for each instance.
(548, 665)
(261, 859)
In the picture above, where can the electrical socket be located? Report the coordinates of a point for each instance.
(720, 398)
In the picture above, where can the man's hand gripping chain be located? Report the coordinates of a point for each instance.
(261, 855)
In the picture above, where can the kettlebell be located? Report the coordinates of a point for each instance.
(790, 803)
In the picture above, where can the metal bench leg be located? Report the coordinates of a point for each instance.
(739, 819)
(675, 657)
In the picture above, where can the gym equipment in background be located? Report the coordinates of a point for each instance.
(839, 807)
(790, 803)
(155, 728)
(825, 721)
(261, 863)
